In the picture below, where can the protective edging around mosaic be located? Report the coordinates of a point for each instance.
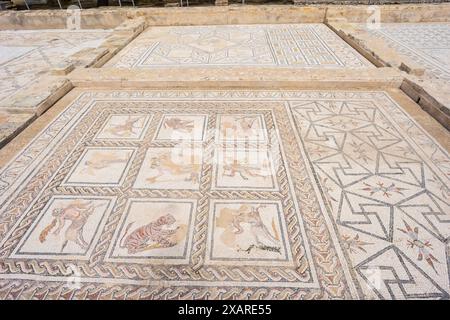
(432, 100)
(11, 124)
(238, 78)
(121, 36)
(374, 49)
(39, 96)
(19, 110)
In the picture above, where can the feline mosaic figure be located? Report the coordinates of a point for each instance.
(156, 234)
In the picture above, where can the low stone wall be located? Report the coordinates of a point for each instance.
(111, 17)
(57, 19)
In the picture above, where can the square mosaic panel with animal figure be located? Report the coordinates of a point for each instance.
(247, 232)
(347, 202)
(66, 228)
(156, 231)
(175, 127)
(171, 168)
(251, 168)
(240, 128)
(101, 167)
(124, 127)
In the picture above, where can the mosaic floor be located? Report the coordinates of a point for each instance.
(227, 194)
(25, 55)
(427, 44)
(295, 45)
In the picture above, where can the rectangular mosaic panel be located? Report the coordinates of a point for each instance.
(302, 46)
(322, 194)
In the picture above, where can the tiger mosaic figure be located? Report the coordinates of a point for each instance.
(154, 235)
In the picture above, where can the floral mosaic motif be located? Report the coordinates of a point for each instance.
(386, 191)
(424, 248)
(355, 244)
(372, 179)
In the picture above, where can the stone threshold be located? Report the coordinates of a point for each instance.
(236, 77)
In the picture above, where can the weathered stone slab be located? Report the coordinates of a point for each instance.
(57, 19)
(12, 124)
(432, 95)
(426, 44)
(38, 97)
(90, 57)
(375, 49)
(136, 26)
(247, 77)
(62, 68)
(116, 41)
(28, 54)
(393, 13)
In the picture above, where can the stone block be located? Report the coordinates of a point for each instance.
(37, 97)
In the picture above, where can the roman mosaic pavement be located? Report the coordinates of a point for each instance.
(426, 43)
(293, 46)
(25, 55)
(227, 194)
(239, 154)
